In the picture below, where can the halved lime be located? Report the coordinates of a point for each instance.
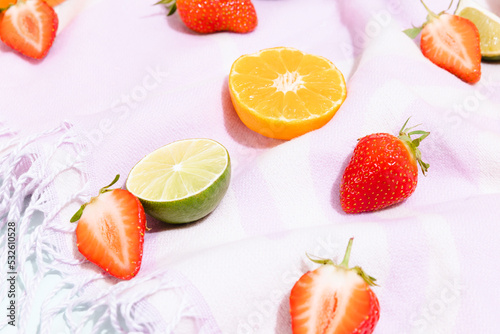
(488, 25)
(182, 181)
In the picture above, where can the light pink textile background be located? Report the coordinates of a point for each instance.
(131, 80)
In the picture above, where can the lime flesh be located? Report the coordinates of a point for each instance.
(488, 25)
(182, 181)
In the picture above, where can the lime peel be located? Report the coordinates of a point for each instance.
(182, 181)
(488, 25)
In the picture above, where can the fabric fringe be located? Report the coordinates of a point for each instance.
(27, 182)
(26, 179)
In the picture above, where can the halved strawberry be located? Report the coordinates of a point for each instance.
(334, 299)
(452, 43)
(29, 27)
(110, 231)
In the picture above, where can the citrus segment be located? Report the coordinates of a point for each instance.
(488, 25)
(183, 181)
(284, 93)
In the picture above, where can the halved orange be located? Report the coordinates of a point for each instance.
(284, 93)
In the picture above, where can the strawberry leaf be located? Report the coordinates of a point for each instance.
(105, 189)
(417, 132)
(417, 141)
(367, 278)
(164, 2)
(78, 214)
(319, 260)
(413, 32)
(171, 5)
(172, 9)
(424, 166)
(413, 144)
(345, 264)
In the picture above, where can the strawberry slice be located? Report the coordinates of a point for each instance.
(29, 27)
(110, 231)
(334, 299)
(452, 43)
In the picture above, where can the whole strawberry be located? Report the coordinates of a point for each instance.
(452, 43)
(110, 231)
(208, 16)
(334, 299)
(382, 171)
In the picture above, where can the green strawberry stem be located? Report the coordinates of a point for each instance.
(347, 255)
(79, 213)
(412, 144)
(413, 32)
(345, 264)
(432, 15)
(451, 4)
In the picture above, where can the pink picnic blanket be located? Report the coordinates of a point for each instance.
(122, 80)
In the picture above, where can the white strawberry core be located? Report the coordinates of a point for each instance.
(103, 217)
(27, 21)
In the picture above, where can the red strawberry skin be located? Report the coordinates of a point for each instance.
(110, 233)
(452, 43)
(208, 16)
(29, 27)
(381, 172)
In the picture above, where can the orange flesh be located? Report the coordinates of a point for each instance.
(283, 92)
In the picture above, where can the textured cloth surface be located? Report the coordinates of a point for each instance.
(126, 80)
